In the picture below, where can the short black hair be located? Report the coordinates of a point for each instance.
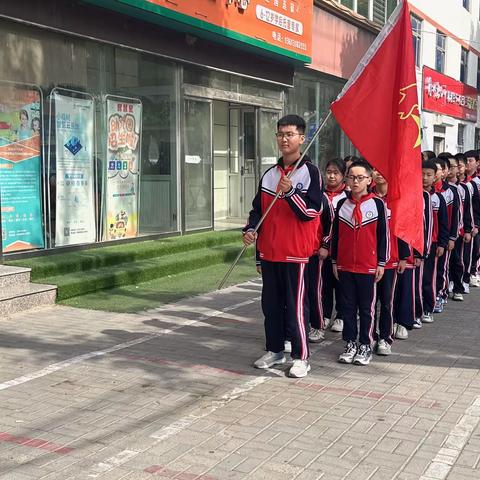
(338, 163)
(431, 164)
(429, 154)
(461, 158)
(294, 120)
(446, 155)
(362, 163)
(443, 161)
(351, 158)
(472, 154)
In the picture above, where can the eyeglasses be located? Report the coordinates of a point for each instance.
(357, 178)
(287, 135)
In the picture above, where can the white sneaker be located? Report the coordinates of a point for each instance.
(458, 297)
(466, 287)
(337, 325)
(474, 281)
(427, 318)
(287, 347)
(327, 323)
(400, 332)
(450, 287)
(349, 354)
(299, 369)
(383, 347)
(316, 335)
(417, 323)
(269, 360)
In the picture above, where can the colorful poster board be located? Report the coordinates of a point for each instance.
(124, 122)
(20, 169)
(74, 140)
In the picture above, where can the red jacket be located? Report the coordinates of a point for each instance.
(289, 232)
(360, 247)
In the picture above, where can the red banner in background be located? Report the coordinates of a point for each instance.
(445, 95)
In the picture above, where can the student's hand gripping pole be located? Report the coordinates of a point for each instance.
(290, 174)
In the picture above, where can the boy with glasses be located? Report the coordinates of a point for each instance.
(360, 250)
(286, 241)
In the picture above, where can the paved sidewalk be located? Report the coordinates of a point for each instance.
(171, 394)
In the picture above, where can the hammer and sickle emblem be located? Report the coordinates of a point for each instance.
(413, 113)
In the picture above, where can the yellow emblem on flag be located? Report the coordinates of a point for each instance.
(412, 113)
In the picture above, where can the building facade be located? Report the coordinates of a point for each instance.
(447, 51)
(122, 119)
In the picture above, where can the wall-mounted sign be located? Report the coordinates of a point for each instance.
(445, 95)
(283, 27)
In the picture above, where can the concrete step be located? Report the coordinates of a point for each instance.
(11, 276)
(17, 298)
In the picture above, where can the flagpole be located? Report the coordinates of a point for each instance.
(290, 174)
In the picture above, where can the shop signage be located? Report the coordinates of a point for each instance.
(124, 122)
(20, 168)
(283, 27)
(445, 95)
(75, 201)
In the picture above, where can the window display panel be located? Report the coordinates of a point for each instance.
(311, 98)
(52, 61)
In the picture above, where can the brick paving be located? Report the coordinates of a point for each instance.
(171, 394)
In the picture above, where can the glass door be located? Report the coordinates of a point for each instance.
(198, 164)
(267, 145)
(248, 160)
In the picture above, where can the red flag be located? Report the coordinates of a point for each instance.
(378, 110)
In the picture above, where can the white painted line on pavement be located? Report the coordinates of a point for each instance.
(112, 462)
(188, 420)
(55, 367)
(451, 449)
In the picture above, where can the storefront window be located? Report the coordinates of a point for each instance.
(110, 137)
(198, 164)
(311, 98)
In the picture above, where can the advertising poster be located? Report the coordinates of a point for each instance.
(124, 121)
(75, 202)
(20, 169)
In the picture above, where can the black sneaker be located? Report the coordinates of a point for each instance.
(363, 356)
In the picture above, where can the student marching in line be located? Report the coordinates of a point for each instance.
(395, 291)
(419, 261)
(440, 234)
(335, 190)
(360, 250)
(472, 177)
(315, 278)
(452, 200)
(462, 253)
(286, 240)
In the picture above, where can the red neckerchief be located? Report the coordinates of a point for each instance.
(284, 172)
(438, 186)
(333, 193)
(468, 178)
(357, 211)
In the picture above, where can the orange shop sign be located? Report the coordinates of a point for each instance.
(282, 27)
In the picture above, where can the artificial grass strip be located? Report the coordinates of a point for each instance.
(172, 288)
(80, 283)
(48, 266)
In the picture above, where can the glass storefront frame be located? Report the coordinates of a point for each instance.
(187, 82)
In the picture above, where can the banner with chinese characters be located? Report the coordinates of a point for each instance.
(445, 95)
(20, 169)
(75, 140)
(124, 122)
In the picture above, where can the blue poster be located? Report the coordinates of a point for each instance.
(20, 169)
